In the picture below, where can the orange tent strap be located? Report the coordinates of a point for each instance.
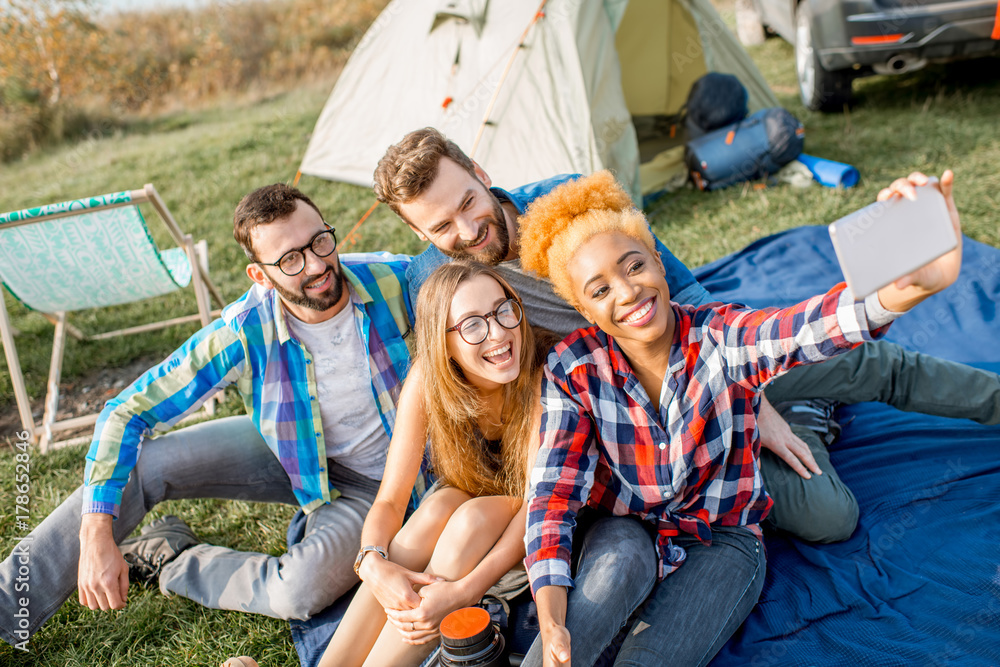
(295, 181)
(349, 239)
(996, 24)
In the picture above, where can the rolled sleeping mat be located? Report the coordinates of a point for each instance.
(829, 173)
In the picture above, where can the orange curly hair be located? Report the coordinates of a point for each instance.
(556, 225)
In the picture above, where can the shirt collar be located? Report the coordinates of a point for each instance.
(675, 364)
(503, 196)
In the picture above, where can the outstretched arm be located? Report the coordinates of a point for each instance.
(759, 344)
(775, 434)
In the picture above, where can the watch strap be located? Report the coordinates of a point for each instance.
(364, 551)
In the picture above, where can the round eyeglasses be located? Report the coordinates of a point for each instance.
(293, 261)
(475, 328)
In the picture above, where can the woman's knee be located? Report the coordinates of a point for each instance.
(430, 518)
(471, 531)
(617, 554)
(477, 513)
(483, 518)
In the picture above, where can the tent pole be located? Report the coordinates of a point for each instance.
(503, 77)
(349, 239)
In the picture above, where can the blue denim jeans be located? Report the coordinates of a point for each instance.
(687, 617)
(695, 610)
(224, 458)
(616, 565)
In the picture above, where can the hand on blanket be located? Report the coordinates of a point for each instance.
(776, 435)
(421, 624)
(392, 584)
(910, 290)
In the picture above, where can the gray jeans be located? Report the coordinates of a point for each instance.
(225, 458)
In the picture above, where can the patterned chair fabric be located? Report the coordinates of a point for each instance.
(96, 258)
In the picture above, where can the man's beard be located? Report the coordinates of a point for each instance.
(494, 253)
(321, 302)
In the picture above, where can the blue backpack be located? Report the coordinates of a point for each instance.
(753, 148)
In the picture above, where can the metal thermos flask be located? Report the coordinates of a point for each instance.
(470, 639)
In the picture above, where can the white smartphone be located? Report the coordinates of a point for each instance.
(887, 240)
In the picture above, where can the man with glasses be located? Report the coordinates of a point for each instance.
(317, 349)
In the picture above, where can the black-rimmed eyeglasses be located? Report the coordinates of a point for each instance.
(293, 261)
(475, 328)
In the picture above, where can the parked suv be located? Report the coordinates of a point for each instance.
(837, 41)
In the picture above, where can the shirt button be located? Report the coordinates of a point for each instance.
(322, 469)
(308, 361)
(317, 435)
(312, 398)
(662, 445)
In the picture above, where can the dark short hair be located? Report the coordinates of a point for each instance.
(262, 207)
(410, 166)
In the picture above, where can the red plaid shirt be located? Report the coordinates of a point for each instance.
(693, 464)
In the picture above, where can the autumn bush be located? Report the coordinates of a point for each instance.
(66, 70)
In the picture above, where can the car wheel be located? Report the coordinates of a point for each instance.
(749, 27)
(820, 89)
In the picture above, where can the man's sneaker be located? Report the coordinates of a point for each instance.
(816, 414)
(157, 544)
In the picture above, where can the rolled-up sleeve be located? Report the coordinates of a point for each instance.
(560, 482)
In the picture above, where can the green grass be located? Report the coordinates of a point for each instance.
(203, 162)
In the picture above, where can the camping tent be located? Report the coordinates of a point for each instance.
(528, 89)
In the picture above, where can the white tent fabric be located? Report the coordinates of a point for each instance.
(560, 108)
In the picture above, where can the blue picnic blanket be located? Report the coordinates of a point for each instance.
(919, 582)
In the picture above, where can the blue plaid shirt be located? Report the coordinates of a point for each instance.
(250, 347)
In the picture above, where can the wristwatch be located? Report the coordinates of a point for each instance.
(364, 550)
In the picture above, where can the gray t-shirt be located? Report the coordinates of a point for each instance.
(543, 307)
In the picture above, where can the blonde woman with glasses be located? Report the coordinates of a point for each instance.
(474, 391)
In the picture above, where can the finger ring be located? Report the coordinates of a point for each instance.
(412, 628)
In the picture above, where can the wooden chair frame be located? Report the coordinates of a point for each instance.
(204, 289)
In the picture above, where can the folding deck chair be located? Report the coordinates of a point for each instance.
(91, 253)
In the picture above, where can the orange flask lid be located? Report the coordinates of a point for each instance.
(465, 623)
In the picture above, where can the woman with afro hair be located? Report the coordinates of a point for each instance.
(651, 413)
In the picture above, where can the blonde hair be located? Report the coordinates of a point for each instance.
(454, 405)
(556, 225)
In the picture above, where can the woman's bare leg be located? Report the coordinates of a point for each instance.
(470, 534)
(412, 548)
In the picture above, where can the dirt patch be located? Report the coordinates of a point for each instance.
(78, 396)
